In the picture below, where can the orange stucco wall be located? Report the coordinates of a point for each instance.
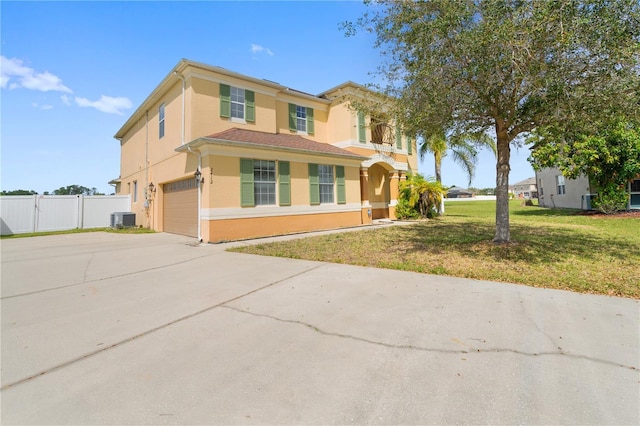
(238, 229)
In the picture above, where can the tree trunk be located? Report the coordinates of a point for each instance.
(438, 163)
(502, 235)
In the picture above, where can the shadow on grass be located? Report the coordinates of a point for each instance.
(533, 244)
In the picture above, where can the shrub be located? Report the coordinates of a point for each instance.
(610, 199)
(405, 211)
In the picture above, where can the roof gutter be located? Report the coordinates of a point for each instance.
(205, 141)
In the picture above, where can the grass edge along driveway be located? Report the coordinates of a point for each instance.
(551, 248)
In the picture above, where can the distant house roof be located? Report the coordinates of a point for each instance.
(456, 191)
(529, 181)
(255, 139)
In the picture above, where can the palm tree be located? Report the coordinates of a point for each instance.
(425, 194)
(463, 148)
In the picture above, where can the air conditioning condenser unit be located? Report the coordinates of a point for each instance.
(123, 219)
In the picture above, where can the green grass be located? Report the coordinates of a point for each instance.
(558, 249)
(81, 231)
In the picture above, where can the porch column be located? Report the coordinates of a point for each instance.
(365, 212)
(394, 191)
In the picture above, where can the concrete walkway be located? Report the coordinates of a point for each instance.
(102, 328)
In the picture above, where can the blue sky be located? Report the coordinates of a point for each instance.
(73, 72)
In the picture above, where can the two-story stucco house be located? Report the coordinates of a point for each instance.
(222, 156)
(554, 190)
(526, 189)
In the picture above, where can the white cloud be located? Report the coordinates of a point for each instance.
(256, 48)
(28, 78)
(43, 107)
(65, 100)
(106, 104)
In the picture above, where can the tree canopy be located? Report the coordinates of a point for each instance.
(19, 192)
(76, 190)
(508, 66)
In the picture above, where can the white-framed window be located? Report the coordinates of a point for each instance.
(135, 191)
(634, 194)
(560, 185)
(540, 188)
(301, 118)
(264, 182)
(161, 121)
(325, 179)
(237, 103)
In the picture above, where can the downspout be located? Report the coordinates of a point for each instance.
(184, 83)
(199, 189)
(146, 167)
(199, 185)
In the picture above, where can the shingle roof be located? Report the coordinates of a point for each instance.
(280, 140)
(528, 181)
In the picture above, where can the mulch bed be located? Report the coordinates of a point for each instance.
(597, 214)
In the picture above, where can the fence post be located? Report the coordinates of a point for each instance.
(80, 209)
(34, 215)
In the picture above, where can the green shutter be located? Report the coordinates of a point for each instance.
(250, 106)
(225, 100)
(342, 194)
(246, 183)
(398, 138)
(409, 147)
(284, 183)
(314, 185)
(310, 124)
(362, 136)
(292, 117)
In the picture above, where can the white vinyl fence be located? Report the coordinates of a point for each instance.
(40, 213)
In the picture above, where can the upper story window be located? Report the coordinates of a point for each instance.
(237, 104)
(560, 184)
(161, 121)
(301, 119)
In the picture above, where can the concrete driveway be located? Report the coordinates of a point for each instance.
(103, 328)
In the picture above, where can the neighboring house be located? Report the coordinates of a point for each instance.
(526, 189)
(457, 192)
(554, 190)
(222, 156)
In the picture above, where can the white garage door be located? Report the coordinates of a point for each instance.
(181, 207)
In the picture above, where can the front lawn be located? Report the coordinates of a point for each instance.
(561, 249)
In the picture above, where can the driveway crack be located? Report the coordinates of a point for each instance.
(432, 350)
(153, 330)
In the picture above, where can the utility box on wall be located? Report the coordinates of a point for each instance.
(123, 219)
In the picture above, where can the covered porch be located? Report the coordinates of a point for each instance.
(380, 177)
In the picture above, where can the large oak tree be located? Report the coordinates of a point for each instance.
(507, 66)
